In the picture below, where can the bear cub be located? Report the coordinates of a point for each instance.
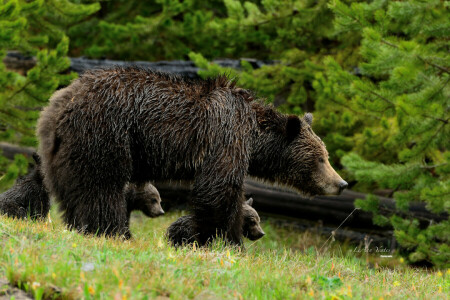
(28, 196)
(143, 197)
(180, 233)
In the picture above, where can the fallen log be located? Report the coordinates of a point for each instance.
(330, 210)
(19, 63)
(9, 150)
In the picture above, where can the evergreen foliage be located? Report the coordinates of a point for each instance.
(35, 28)
(401, 101)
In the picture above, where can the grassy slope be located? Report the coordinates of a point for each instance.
(48, 260)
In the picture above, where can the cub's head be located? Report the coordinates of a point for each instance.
(144, 198)
(306, 160)
(252, 229)
(152, 201)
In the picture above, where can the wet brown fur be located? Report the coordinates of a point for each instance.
(120, 125)
(180, 232)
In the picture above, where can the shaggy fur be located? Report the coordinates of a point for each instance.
(120, 125)
(180, 232)
(27, 197)
(144, 198)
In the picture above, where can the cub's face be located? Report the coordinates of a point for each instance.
(252, 228)
(151, 200)
(308, 168)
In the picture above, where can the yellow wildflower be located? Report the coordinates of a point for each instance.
(74, 245)
(91, 290)
(308, 280)
(221, 262)
(311, 293)
(82, 275)
(439, 274)
(440, 289)
(396, 283)
(228, 253)
(120, 283)
(53, 275)
(402, 260)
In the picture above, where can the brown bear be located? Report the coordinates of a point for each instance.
(144, 198)
(27, 197)
(180, 232)
(119, 125)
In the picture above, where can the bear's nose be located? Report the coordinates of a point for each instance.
(342, 185)
(161, 211)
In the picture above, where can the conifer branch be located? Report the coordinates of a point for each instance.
(443, 69)
(355, 111)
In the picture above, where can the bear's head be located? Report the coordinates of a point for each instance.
(306, 160)
(147, 200)
(251, 229)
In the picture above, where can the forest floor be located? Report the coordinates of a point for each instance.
(48, 261)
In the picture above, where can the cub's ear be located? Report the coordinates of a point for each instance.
(293, 126)
(249, 202)
(308, 117)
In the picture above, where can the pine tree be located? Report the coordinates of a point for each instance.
(400, 100)
(34, 28)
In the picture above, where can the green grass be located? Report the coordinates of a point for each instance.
(49, 261)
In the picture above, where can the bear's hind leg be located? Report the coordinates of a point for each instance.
(97, 211)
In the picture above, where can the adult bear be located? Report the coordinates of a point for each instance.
(119, 125)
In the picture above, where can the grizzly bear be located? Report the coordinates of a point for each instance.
(144, 198)
(180, 232)
(27, 197)
(119, 125)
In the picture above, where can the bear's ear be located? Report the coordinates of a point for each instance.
(308, 117)
(293, 126)
(249, 202)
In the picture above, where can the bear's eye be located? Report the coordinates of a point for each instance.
(321, 160)
(154, 201)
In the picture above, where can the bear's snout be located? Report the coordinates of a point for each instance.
(342, 186)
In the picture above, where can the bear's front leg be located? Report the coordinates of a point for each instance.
(217, 198)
